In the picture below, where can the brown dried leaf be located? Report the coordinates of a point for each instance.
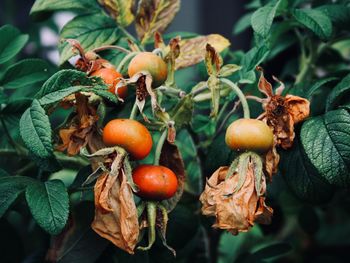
(154, 16)
(158, 41)
(120, 10)
(298, 108)
(272, 159)
(235, 211)
(213, 60)
(171, 157)
(193, 49)
(119, 224)
(282, 113)
(81, 129)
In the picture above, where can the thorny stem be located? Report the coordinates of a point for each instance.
(126, 59)
(98, 49)
(240, 95)
(151, 220)
(133, 111)
(159, 147)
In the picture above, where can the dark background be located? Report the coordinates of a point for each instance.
(200, 16)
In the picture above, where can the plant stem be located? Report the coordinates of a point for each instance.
(126, 59)
(98, 49)
(134, 111)
(240, 95)
(151, 220)
(159, 147)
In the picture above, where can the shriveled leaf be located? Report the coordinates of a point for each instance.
(326, 141)
(10, 188)
(213, 60)
(315, 20)
(154, 16)
(193, 49)
(120, 10)
(118, 224)
(81, 129)
(92, 30)
(11, 42)
(235, 211)
(49, 205)
(36, 132)
(171, 157)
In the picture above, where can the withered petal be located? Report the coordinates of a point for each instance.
(298, 108)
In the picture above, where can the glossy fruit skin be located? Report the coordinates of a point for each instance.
(129, 134)
(109, 76)
(249, 135)
(151, 63)
(155, 182)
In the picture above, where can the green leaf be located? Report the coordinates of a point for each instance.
(81, 243)
(92, 30)
(183, 111)
(58, 95)
(262, 18)
(338, 13)
(189, 153)
(228, 70)
(3, 173)
(302, 177)
(10, 188)
(272, 251)
(64, 79)
(41, 6)
(103, 92)
(253, 58)
(339, 95)
(11, 42)
(326, 141)
(35, 131)
(318, 85)
(24, 73)
(49, 204)
(315, 20)
(242, 24)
